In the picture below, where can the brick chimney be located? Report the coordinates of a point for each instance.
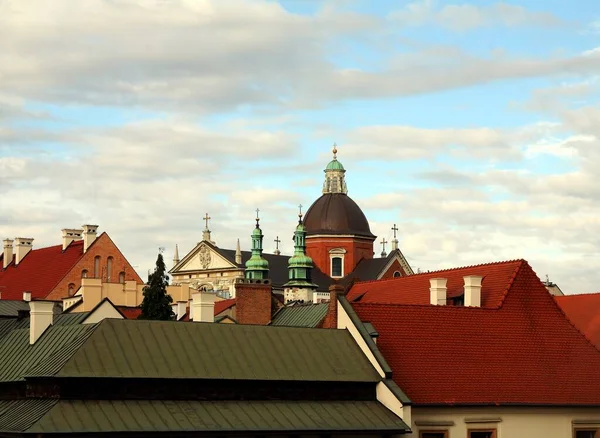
(41, 315)
(89, 235)
(331, 319)
(253, 301)
(473, 290)
(437, 291)
(69, 235)
(8, 252)
(204, 307)
(22, 246)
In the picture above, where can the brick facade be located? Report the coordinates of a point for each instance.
(356, 248)
(395, 267)
(253, 301)
(104, 248)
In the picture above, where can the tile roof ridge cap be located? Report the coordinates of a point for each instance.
(513, 277)
(584, 294)
(458, 268)
(380, 303)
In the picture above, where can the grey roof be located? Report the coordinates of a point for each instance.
(198, 417)
(17, 356)
(11, 308)
(301, 315)
(163, 349)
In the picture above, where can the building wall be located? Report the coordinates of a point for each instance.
(395, 267)
(356, 249)
(212, 280)
(104, 247)
(509, 422)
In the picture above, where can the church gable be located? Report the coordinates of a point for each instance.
(203, 257)
(397, 265)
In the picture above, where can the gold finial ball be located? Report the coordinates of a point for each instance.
(334, 150)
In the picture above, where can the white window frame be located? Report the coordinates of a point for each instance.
(336, 253)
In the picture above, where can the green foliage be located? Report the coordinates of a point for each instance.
(157, 303)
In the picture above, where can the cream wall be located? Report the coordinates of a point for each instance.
(510, 422)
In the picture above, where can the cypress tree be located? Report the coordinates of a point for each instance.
(157, 303)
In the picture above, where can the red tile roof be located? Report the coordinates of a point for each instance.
(414, 289)
(584, 311)
(524, 352)
(39, 271)
(221, 306)
(130, 312)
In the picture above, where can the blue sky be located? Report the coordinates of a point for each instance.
(469, 124)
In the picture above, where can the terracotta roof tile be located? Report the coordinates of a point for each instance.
(39, 271)
(221, 306)
(584, 311)
(524, 352)
(130, 312)
(414, 289)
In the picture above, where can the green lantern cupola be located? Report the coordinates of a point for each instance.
(300, 265)
(335, 181)
(257, 267)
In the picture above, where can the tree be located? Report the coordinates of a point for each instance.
(157, 303)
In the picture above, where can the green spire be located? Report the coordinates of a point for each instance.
(335, 181)
(257, 267)
(300, 265)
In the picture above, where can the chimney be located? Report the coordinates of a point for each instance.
(437, 291)
(204, 307)
(253, 301)
(89, 235)
(8, 252)
(22, 246)
(473, 290)
(181, 308)
(176, 256)
(69, 235)
(331, 319)
(238, 253)
(26, 296)
(41, 314)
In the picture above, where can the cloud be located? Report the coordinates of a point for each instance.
(464, 17)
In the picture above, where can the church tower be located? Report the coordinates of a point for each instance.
(299, 287)
(257, 267)
(338, 235)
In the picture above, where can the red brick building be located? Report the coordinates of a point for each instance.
(55, 272)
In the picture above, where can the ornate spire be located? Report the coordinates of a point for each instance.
(300, 265)
(176, 255)
(335, 181)
(206, 232)
(383, 242)
(395, 241)
(257, 266)
(238, 253)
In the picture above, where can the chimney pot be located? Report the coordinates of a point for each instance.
(204, 306)
(437, 291)
(69, 235)
(473, 290)
(8, 252)
(22, 246)
(89, 235)
(26, 296)
(41, 315)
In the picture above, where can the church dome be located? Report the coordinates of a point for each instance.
(336, 214)
(334, 165)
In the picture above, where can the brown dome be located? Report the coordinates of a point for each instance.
(336, 213)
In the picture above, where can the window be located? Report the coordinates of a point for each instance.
(97, 267)
(109, 263)
(336, 266)
(71, 289)
(121, 277)
(481, 433)
(397, 274)
(587, 433)
(84, 273)
(433, 434)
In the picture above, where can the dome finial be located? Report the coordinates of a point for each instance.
(257, 218)
(300, 213)
(335, 151)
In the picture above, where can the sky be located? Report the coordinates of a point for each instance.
(473, 126)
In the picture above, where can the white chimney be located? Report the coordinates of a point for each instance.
(41, 314)
(22, 246)
(69, 235)
(89, 235)
(8, 252)
(437, 291)
(204, 307)
(181, 308)
(473, 290)
(238, 253)
(26, 296)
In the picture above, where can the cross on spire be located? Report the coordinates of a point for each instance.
(206, 219)
(383, 242)
(277, 242)
(394, 229)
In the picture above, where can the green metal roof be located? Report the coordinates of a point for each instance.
(309, 315)
(10, 308)
(17, 356)
(164, 349)
(198, 417)
(334, 165)
(70, 318)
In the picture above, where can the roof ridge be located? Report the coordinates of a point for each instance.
(584, 294)
(560, 309)
(512, 280)
(458, 268)
(437, 306)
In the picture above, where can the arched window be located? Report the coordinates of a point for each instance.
(121, 277)
(71, 289)
(84, 273)
(397, 274)
(97, 267)
(336, 267)
(109, 264)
